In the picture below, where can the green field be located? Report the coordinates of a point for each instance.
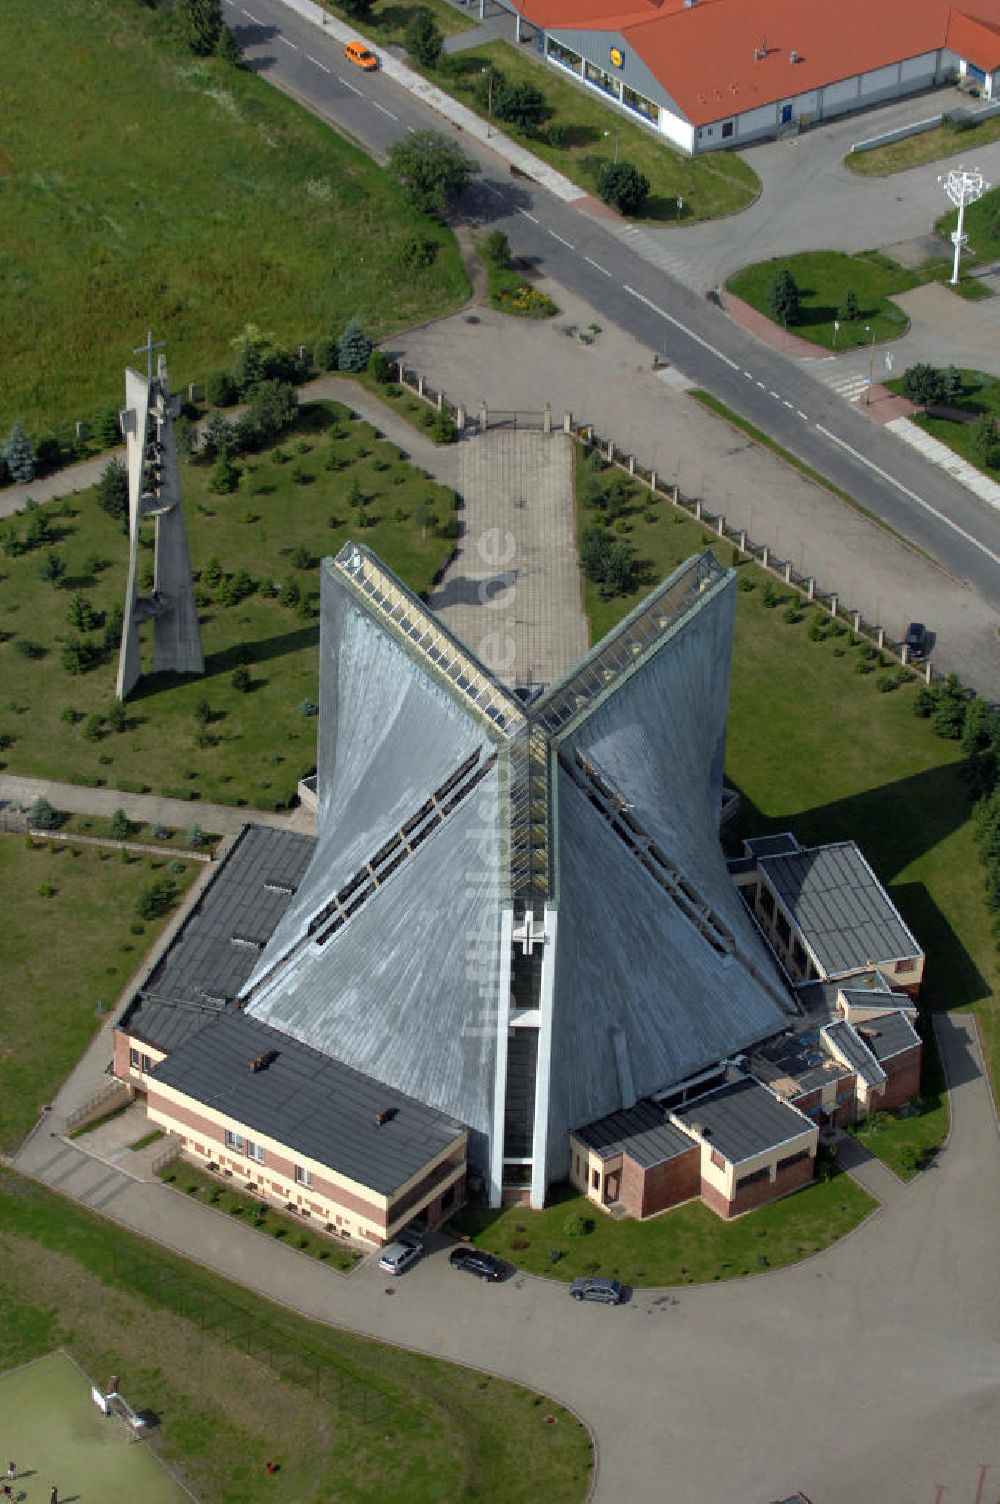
(982, 225)
(142, 186)
(980, 394)
(60, 1436)
(289, 511)
(60, 954)
(387, 20)
(824, 278)
(718, 184)
(235, 1381)
(685, 1246)
(929, 146)
(814, 746)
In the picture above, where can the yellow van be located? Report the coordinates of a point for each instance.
(358, 54)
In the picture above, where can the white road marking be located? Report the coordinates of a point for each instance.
(252, 18)
(786, 403)
(803, 415)
(287, 42)
(597, 265)
(348, 86)
(884, 475)
(412, 129)
(682, 327)
(748, 375)
(762, 386)
(317, 62)
(385, 111)
(567, 243)
(534, 221)
(775, 396)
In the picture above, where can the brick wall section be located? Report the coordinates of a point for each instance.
(211, 1136)
(121, 1068)
(760, 1192)
(845, 1110)
(645, 1192)
(903, 1078)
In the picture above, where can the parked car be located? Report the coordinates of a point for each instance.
(358, 54)
(397, 1257)
(916, 640)
(475, 1261)
(595, 1288)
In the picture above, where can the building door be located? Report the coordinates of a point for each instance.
(611, 1185)
(786, 114)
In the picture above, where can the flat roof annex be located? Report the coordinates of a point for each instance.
(643, 1132)
(719, 58)
(846, 918)
(308, 1102)
(741, 1119)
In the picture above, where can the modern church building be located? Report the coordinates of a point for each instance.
(516, 921)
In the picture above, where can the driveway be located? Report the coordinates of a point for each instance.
(866, 1373)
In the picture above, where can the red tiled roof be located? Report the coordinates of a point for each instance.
(704, 54)
(975, 39)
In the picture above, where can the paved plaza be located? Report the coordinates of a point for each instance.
(512, 593)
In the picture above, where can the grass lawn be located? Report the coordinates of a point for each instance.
(815, 747)
(982, 224)
(48, 1407)
(53, 972)
(143, 186)
(230, 1197)
(289, 511)
(387, 20)
(824, 278)
(167, 838)
(236, 1381)
(908, 1140)
(929, 146)
(688, 1245)
(980, 394)
(710, 186)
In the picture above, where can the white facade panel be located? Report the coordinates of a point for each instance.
(880, 79)
(914, 68)
(840, 95)
(680, 131)
(805, 104)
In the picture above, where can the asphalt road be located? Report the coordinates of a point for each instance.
(577, 250)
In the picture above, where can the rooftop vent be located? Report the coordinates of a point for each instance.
(793, 56)
(690, 4)
(386, 1115)
(263, 1060)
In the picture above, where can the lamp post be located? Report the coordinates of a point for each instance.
(615, 134)
(963, 186)
(489, 100)
(871, 362)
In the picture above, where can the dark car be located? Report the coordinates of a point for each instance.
(916, 640)
(595, 1288)
(474, 1261)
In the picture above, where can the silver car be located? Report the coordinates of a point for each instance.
(397, 1257)
(609, 1291)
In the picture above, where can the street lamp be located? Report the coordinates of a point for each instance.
(615, 134)
(963, 186)
(871, 362)
(489, 99)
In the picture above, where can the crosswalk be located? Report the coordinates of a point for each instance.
(654, 251)
(850, 386)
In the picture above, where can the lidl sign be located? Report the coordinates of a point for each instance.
(617, 58)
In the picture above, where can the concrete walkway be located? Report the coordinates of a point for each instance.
(867, 1372)
(222, 819)
(870, 1173)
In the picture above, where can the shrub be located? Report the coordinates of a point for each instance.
(783, 297)
(42, 816)
(19, 455)
(768, 595)
(240, 679)
(576, 1226)
(886, 683)
(118, 826)
(518, 104)
(225, 476)
(28, 649)
(418, 253)
(112, 490)
(849, 311)
(443, 430)
(422, 38)
(380, 366)
(791, 615)
(195, 836)
(157, 899)
(52, 569)
(623, 186)
(45, 890)
(923, 383)
(325, 353)
(78, 654)
(308, 708)
(220, 389)
(495, 250)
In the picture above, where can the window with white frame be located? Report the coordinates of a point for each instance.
(303, 1176)
(234, 1141)
(255, 1151)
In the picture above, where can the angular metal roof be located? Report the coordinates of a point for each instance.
(846, 918)
(308, 1102)
(643, 1132)
(888, 1034)
(844, 1039)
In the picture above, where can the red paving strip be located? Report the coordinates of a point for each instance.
(885, 405)
(596, 207)
(779, 339)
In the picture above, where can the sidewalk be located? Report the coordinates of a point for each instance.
(150, 809)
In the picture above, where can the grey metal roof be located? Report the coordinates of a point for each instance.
(887, 1001)
(798, 1059)
(643, 1132)
(311, 1104)
(222, 937)
(784, 844)
(742, 1119)
(846, 918)
(888, 1034)
(854, 1049)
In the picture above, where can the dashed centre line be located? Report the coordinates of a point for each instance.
(287, 42)
(385, 111)
(534, 221)
(348, 86)
(317, 62)
(252, 18)
(597, 265)
(567, 243)
(804, 416)
(775, 395)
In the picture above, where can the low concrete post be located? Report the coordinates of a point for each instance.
(460, 418)
(399, 364)
(881, 638)
(676, 496)
(420, 386)
(788, 572)
(484, 417)
(193, 391)
(743, 540)
(80, 429)
(765, 557)
(611, 450)
(833, 605)
(652, 480)
(303, 355)
(904, 655)
(547, 418)
(440, 401)
(721, 525)
(631, 464)
(567, 422)
(811, 588)
(856, 620)
(697, 509)
(927, 672)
